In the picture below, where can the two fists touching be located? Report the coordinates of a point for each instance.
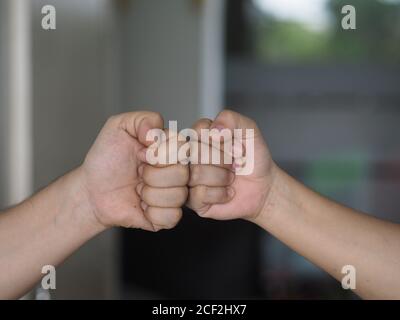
(117, 186)
(125, 190)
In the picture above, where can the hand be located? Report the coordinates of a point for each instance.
(163, 189)
(215, 193)
(112, 179)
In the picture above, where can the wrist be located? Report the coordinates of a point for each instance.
(276, 187)
(77, 204)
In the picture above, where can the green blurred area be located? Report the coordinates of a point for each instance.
(333, 173)
(376, 39)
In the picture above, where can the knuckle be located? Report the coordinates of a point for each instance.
(155, 116)
(174, 218)
(150, 175)
(196, 200)
(146, 193)
(182, 195)
(146, 174)
(229, 114)
(112, 120)
(252, 123)
(194, 195)
(203, 211)
(183, 172)
(228, 177)
(195, 173)
(204, 122)
(201, 192)
(164, 219)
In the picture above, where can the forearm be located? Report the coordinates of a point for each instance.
(43, 230)
(332, 236)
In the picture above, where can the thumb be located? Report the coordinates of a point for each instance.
(232, 120)
(138, 124)
(256, 152)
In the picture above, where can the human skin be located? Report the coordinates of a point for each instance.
(326, 233)
(107, 190)
(116, 187)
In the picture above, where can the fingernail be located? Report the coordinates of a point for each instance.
(240, 161)
(219, 127)
(237, 166)
(216, 136)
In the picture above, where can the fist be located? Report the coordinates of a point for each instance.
(216, 190)
(163, 188)
(121, 188)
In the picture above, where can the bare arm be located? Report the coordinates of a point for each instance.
(43, 230)
(113, 187)
(333, 236)
(328, 234)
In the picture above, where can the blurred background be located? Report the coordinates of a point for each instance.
(327, 100)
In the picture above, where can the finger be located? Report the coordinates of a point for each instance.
(163, 218)
(203, 153)
(164, 197)
(139, 189)
(201, 124)
(170, 149)
(143, 205)
(210, 175)
(206, 132)
(232, 120)
(201, 196)
(194, 152)
(219, 140)
(228, 119)
(166, 177)
(138, 124)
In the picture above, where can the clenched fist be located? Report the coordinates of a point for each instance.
(122, 189)
(215, 191)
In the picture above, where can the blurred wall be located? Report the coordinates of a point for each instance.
(3, 116)
(171, 50)
(72, 97)
(106, 57)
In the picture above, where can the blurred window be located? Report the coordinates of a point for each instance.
(310, 31)
(328, 102)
